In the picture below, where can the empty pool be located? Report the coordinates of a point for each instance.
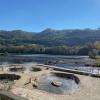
(59, 83)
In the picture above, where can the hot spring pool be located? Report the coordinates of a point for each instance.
(59, 83)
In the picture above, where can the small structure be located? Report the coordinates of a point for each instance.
(56, 84)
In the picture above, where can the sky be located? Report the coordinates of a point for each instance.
(37, 15)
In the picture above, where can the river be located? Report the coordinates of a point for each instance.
(71, 62)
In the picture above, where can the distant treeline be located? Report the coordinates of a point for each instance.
(62, 50)
(49, 41)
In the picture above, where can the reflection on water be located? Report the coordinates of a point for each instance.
(71, 62)
(39, 58)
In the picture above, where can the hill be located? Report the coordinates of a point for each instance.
(50, 37)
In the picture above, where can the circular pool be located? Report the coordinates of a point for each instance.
(35, 69)
(17, 69)
(59, 83)
(7, 80)
(25, 69)
(9, 77)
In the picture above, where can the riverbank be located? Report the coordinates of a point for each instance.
(81, 63)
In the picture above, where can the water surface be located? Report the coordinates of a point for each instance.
(71, 62)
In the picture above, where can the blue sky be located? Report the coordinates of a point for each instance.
(37, 15)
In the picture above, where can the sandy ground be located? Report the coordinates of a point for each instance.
(89, 89)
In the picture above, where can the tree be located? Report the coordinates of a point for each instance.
(93, 53)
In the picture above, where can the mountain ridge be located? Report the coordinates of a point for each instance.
(51, 37)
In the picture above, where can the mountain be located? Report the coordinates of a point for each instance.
(15, 37)
(50, 37)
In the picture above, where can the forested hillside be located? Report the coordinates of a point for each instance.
(51, 41)
(51, 37)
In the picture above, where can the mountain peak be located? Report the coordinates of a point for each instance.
(48, 30)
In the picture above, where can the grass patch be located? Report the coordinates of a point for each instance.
(97, 57)
(97, 64)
